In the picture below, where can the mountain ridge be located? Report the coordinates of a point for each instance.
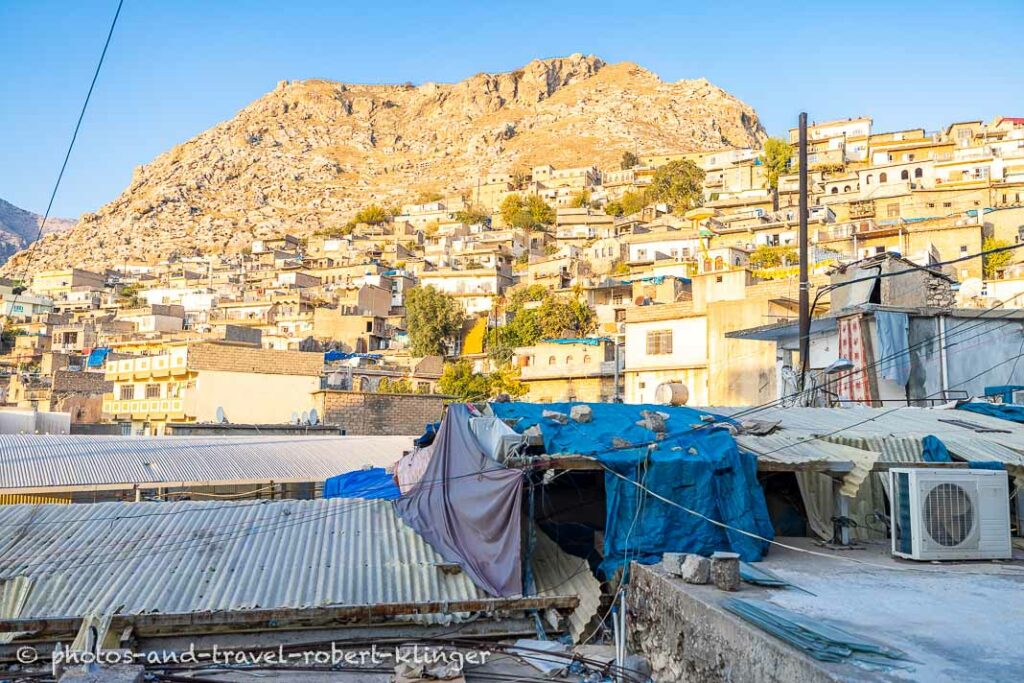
(306, 155)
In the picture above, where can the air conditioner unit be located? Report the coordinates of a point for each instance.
(950, 514)
(1018, 395)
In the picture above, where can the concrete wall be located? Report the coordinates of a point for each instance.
(251, 398)
(383, 414)
(687, 637)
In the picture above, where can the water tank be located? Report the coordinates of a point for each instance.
(671, 394)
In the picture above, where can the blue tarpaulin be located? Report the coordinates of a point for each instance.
(370, 484)
(933, 450)
(695, 465)
(427, 437)
(1004, 411)
(97, 357)
(588, 341)
(334, 355)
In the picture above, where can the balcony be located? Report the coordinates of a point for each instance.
(144, 408)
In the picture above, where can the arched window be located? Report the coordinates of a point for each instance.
(883, 177)
(868, 178)
(551, 360)
(904, 174)
(364, 384)
(568, 360)
(587, 359)
(835, 190)
(918, 172)
(846, 188)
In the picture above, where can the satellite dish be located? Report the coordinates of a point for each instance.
(295, 418)
(305, 417)
(221, 418)
(971, 288)
(313, 417)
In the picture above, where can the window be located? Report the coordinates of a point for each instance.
(868, 178)
(963, 248)
(127, 392)
(152, 391)
(835, 190)
(369, 326)
(883, 177)
(947, 205)
(918, 172)
(846, 188)
(587, 360)
(892, 210)
(551, 360)
(568, 360)
(904, 174)
(659, 342)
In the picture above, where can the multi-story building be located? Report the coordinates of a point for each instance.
(189, 382)
(558, 370)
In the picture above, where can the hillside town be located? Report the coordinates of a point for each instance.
(549, 285)
(571, 417)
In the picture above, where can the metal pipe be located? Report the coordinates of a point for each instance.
(805, 285)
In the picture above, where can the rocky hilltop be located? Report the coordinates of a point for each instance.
(307, 155)
(19, 228)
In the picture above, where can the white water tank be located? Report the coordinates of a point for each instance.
(671, 394)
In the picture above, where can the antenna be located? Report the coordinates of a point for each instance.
(295, 419)
(221, 418)
(314, 418)
(305, 417)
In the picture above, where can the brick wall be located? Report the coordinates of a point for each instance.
(381, 414)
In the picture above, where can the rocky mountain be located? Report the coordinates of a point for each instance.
(19, 228)
(307, 155)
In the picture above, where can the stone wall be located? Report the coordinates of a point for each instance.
(686, 636)
(379, 414)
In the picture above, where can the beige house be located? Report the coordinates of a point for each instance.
(189, 382)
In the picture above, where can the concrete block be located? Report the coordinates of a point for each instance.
(582, 414)
(673, 562)
(725, 570)
(695, 569)
(560, 418)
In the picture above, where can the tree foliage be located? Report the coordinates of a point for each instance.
(679, 184)
(529, 212)
(766, 256)
(472, 215)
(555, 316)
(629, 160)
(394, 386)
(458, 379)
(372, 215)
(776, 159)
(428, 197)
(433, 319)
(580, 200)
(993, 263)
(630, 203)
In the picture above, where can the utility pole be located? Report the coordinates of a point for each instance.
(805, 285)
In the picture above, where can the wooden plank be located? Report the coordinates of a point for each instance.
(279, 618)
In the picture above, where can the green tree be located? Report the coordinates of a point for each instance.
(458, 379)
(372, 215)
(433, 319)
(557, 316)
(629, 160)
(776, 159)
(580, 200)
(630, 203)
(679, 184)
(472, 215)
(530, 212)
(993, 263)
(766, 256)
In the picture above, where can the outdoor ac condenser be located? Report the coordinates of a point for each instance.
(950, 514)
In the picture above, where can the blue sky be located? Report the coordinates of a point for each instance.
(176, 67)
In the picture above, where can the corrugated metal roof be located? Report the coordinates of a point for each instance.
(879, 426)
(134, 558)
(41, 462)
(795, 449)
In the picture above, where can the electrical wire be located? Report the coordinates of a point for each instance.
(74, 137)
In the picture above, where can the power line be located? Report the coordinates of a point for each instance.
(74, 136)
